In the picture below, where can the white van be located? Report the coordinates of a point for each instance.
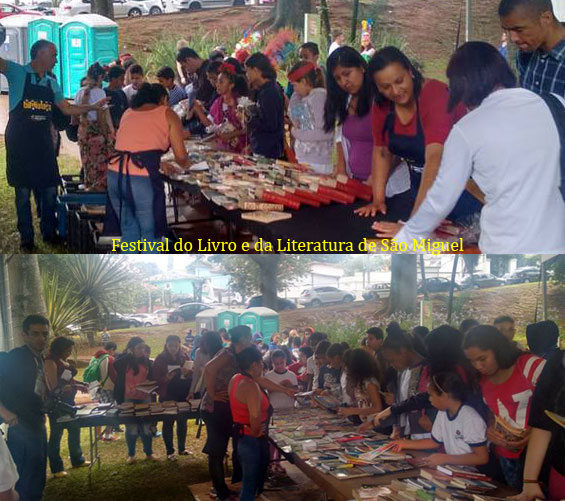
(206, 4)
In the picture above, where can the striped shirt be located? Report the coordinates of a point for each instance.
(543, 72)
(176, 95)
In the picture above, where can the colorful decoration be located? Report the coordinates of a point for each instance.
(366, 26)
(249, 41)
(281, 47)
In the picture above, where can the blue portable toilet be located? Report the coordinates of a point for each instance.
(16, 47)
(48, 28)
(85, 40)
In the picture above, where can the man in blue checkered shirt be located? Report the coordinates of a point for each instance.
(540, 39)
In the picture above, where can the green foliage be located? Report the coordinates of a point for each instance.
(558, 268)
(459, 303)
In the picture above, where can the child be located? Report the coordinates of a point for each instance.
(330, 374)
(223, 118)
(458, 427)
(136, 78)
(508, 378)
(361, 370)
(166, 77)
(312, 145)
(319, 360)
(284, 377)
(299, 368)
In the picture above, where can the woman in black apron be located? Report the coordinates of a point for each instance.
(410, 148)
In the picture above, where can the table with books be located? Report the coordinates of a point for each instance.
(348, 464)
(99, 415)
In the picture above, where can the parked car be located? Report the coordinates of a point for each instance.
(206, 4)
(523, 275)
(122, 8)
(376, 291)
(119, 321)
(282, 304)
(316, 296)
(148, 319)
(481, 281)
(154, 7)
(437, 284)
(8, 9)
(186, 312)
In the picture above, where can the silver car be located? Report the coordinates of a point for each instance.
(316, 296)
(206, 4)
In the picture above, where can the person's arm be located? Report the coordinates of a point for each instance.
(210, 372)
(414, 403)
(3, 65)
(78, 109)
(269, 385)
(7, 416)
(431, 168)
(340, 165)
(535, 455)
(201, 114)
(478, 456)
(416, 445)
(160, 372)
(177, 140)
(381, 164)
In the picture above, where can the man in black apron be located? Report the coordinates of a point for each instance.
(31, 161)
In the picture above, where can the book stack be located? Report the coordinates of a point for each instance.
(142, 410)
(126, 409)
(147, 387)
(156, 408)
(183, 406)
(370, 493)
(447, 478)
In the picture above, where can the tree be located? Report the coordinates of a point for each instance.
(403, 284)
(325, 21)
(103, 7)
(354, 17)
(452, 286)
(290, 13)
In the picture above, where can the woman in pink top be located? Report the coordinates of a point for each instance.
(135, 186)
(132, 369)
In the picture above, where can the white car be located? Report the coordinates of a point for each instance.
(206, 4)
(316, 296)
(122, 8)
(148, 319)
(154, 7)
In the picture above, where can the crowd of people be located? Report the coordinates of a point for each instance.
(472, 394)
(430, 150)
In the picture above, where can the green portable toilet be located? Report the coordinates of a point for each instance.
(48, 28)
(207, 319)
(85, 40)
(263, 320)
(228, 319)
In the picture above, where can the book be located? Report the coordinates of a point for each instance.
(147, 387)
(371, 493)
(173, 368)
(370, 456)
(327, 401)
(349, 473)
(465, 472)
(509, 432)
(266, 217)
(260, 206)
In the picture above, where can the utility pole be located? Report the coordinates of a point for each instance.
(468, 20)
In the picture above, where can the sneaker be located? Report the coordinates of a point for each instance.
(81, 465)
(152, 457)
(130, 460)
(184, 453)
(60, 474)
(172, 457)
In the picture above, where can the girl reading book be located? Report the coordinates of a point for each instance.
(457, 427)
(508, 378)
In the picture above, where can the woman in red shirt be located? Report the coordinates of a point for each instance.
(411, 122)
(251, 409)
(508, 378)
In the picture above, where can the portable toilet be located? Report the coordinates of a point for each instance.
(207, 319)
(85, 40)
(16, 47)
(48, 28)
(263, 320)
(228, 319)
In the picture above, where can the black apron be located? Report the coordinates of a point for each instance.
(31, 161)
(412, 149)
(149, 160)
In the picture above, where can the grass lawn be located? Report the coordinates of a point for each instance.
(162, 480)
(10, 239)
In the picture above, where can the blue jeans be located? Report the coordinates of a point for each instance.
(136, 223)
(141, 430)
(47, 198)
(54, 445)
(28, 447)
(254, 457)
(512, 469)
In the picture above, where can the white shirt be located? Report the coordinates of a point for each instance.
(278, 399)
(461, 432)
(129, 91)
(510, 146)
(333, 47)
(8, 472)
(403, 390)
(95, 95)
(312, 369)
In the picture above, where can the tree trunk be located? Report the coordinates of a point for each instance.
(354, 17)
(290, 13)
(103, 7)
(423, 273)
(403, 283)
(451, 287)
(25, 289)
(325, 20)
(269, 266)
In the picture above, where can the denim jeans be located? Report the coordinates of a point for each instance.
(143, 431)
(54, 445)
(47, 198)
(168, 437)
(512, 469)
(136, 223)
(28, 447)
(254, 457)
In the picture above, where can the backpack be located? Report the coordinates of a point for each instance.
(92, 372)
(558, 112)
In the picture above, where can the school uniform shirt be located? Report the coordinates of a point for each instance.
(511, 400)
(330, 380)
(459, 433)
(278, 399)
(8, 472)
(510, 146)
(130, 91)
(543, 72)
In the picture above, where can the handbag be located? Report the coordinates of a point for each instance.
(558, 112)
